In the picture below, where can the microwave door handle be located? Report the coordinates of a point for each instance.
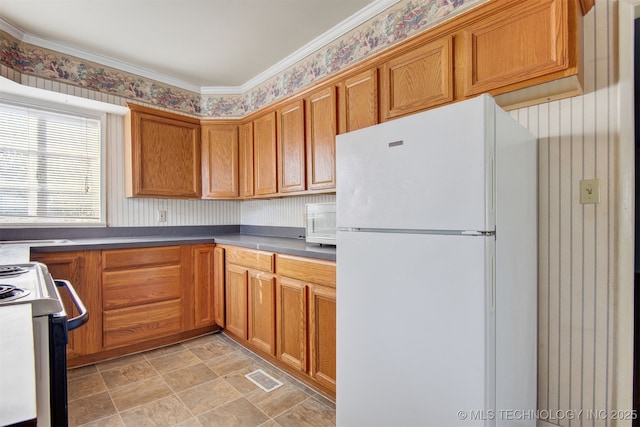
(83, 317)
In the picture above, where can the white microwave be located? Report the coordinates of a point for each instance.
(321, 223)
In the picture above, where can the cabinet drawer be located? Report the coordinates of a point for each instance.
(250, 258)
(136, 324)
(308, 270)
(141, 257)
(126, 288)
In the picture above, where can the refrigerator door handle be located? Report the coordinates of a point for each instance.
(478, 233)
(492, 303)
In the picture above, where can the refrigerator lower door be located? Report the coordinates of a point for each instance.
(415, 330)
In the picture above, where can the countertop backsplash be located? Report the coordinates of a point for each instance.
(282, 212)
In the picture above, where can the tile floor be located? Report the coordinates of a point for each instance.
(195, 383)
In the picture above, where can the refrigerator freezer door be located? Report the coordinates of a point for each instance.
(414, 329)
(430, 170)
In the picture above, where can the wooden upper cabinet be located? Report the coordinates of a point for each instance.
(264, 155)
(162, 154)
(246, 160)
(291, 155)
(418, 79)
(521, 45)
(321, 118)
(220, 161)
(358, 101)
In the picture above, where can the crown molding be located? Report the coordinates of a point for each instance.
(319, 42)
(93, 57)
(342, 28)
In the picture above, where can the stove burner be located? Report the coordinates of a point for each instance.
(11, 293)
(11, 270)
(6, 290)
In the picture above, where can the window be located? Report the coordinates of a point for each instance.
(50, 167)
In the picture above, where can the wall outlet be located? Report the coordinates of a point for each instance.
(162, 216)
(589, 191)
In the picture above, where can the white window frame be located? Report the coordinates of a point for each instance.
(44, 99)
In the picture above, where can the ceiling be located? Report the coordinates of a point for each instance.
(201, 45)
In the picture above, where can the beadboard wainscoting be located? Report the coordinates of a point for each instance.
(284, 212)
(577, 140)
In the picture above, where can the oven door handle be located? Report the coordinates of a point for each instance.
(81, 318)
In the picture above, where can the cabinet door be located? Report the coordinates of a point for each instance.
(291, 323)
(322, 335)
(418, 79)
(262, 316)
(236, 300)
(321, 139)
(264, 155)
(162, 154)
(203, 285)
(82, 269)
(291, 158)
(528, 40)
(218, 286)
(246, 160)
(358, 101)
(220, 161)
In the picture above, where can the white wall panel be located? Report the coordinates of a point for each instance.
(287, 211)
(576, 139)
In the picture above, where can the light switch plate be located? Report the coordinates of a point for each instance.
(162, 216)
(589, 191)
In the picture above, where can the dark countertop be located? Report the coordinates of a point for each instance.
(279, 244)
(285, 245)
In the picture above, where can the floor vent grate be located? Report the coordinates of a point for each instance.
(263, 380)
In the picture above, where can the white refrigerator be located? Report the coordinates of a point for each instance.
(437, 270)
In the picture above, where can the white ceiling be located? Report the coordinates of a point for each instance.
(210, 46)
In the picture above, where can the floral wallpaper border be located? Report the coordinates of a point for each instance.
(398, 23)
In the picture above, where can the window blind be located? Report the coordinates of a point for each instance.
(50, 166)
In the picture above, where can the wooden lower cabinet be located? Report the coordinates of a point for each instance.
(137, 298)
(261, 311)
(236, 287)
(142, 293)
(306, 313)
(322, 335)
(203, 280)
(291, 321)
(82, 269)
(284, 308)
(131, 325)
(249, 283)
(218, 286)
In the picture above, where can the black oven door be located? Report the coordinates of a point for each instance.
(59, 327)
